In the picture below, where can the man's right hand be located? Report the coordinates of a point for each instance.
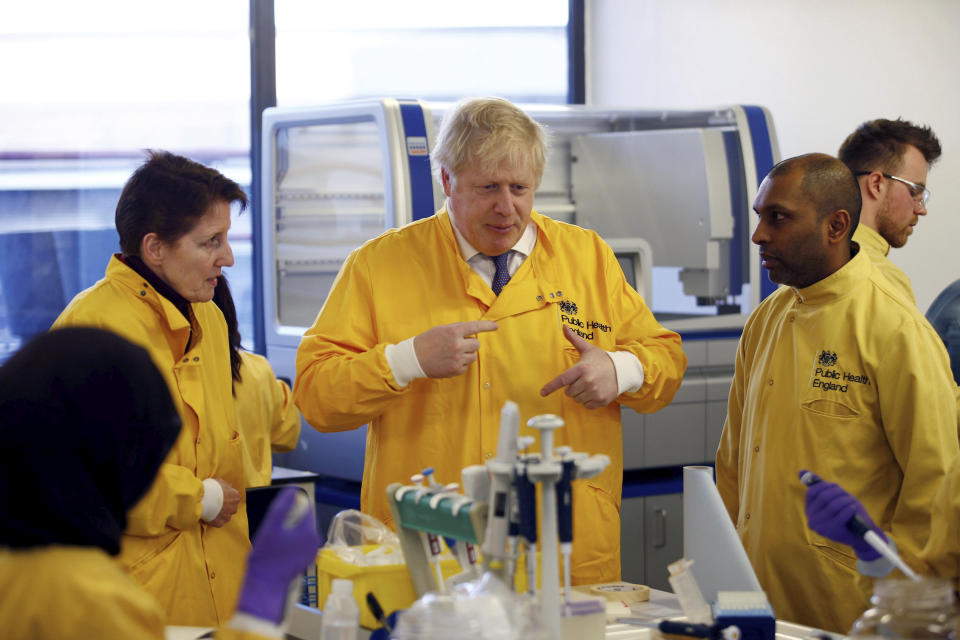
(829, 508)
(447, 350)
(231, 502)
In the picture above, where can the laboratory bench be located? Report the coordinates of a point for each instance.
(305, 624)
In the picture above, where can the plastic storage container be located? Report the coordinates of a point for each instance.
(390, 583)
(908, 609)
(341, 615)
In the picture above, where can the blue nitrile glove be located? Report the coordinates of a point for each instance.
(282, 547)
(830, 510)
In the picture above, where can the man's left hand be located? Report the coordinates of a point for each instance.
(593, 381)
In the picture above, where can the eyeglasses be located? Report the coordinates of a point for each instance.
(918, 192)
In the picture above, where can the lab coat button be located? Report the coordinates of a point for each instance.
(756, 449)
(143, 293)
(488, 455)
(213, 575)
(186, 359)
(196, 359)
(486, 385)
(771, 382)
(539, 298)
(747, 516)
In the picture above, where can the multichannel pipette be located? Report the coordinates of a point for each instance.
(857, 526)
(431, 541)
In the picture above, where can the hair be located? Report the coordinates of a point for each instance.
(167, 195)
(828, 184)
(86, 420)
(224, 299)
(489, 131)
(879, 145)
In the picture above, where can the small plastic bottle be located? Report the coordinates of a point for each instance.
(341, 616)
(908, 609)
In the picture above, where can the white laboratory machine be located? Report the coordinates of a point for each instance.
(669, 190)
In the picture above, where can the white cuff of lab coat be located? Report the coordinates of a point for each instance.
(246, 622)
(403, 363)
(212, 500)
(629, 371)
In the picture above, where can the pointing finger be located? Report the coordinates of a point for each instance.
(575, 340)
(559, 382)
(553, 385)
(477, 326)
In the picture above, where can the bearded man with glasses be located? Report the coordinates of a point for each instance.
(890, 159)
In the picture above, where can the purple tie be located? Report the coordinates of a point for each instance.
(501, 276)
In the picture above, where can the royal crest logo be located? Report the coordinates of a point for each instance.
(568, 306)
(827, 358)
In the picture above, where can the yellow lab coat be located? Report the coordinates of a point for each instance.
(78, 593)
(267, 418)
(411, 279)
(878, 249)
(193, 570)
(941, 555)
(845, 377)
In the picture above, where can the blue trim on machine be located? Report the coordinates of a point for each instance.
(418, 159)
(740, 243)
(763, 159)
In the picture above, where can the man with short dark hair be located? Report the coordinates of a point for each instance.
(890, 159)
(837, 372)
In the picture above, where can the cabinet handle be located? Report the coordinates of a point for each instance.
(661, 539)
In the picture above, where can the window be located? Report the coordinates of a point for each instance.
(97, 83)
(430, 49)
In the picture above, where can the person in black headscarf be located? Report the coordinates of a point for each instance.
(86, 420)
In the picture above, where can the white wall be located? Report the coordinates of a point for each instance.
(820, 66)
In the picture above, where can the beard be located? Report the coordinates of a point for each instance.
(889, 229)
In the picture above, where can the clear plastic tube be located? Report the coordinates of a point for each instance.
(695, 608)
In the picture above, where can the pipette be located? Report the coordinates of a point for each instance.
(857, 526)
(527, 499)
(547, 473)
(501, 477)
(565, 515)
(513, 532)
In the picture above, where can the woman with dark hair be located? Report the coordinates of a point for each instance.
(185, 540)
(86, 421)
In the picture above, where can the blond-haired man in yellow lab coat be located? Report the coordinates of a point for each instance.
(835, 371)
(430, 328)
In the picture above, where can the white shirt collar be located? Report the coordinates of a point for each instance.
(524, 246)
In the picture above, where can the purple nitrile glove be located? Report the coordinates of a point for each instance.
(829, 511)
(282, 547)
